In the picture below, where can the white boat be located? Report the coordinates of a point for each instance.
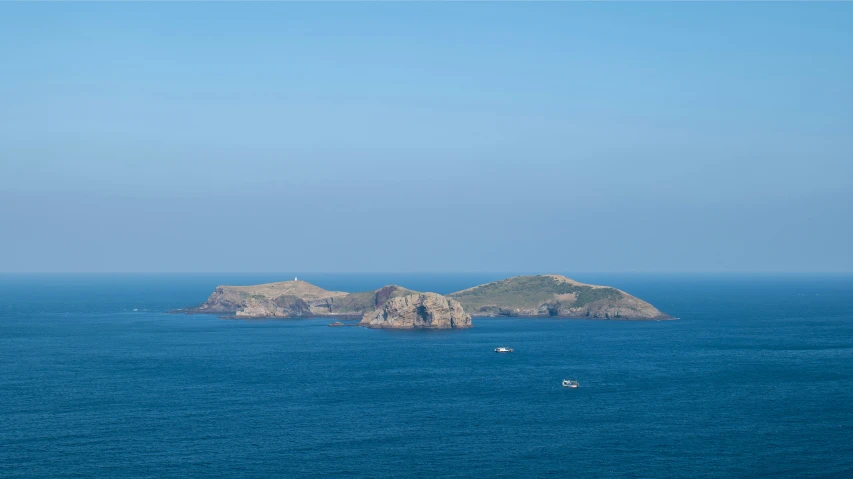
(503, 350)
(568, 383)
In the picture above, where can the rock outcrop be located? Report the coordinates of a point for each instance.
(418, 311)
(285, 306)
(356, 304)
(286, 298)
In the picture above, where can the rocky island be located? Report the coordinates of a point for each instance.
(555, 296)
(293, 299)
(397, 307)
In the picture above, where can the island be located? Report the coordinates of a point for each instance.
(393, 306)
(554, 296)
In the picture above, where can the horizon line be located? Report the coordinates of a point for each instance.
(516, 273)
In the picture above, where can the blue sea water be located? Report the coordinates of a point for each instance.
(754, 380)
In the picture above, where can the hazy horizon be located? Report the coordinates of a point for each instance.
(306, 275)
(438, 137)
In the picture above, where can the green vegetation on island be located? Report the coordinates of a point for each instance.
(530, 292)
(541, 295)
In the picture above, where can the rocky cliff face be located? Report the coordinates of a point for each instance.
(425, 310)
(289, 299)
(624, 306)
(286, 306)
(286, 298)
(356, 304)
(224, 300)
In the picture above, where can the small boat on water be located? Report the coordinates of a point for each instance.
(336, 324)
(568, 383)
(503, 350)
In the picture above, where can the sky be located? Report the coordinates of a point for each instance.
(426, 137)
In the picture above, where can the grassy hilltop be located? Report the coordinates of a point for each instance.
(553, 295)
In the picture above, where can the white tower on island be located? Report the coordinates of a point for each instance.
(295, 279)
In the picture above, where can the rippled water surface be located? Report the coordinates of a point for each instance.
(96, 381)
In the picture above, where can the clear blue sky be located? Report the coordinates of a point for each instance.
(426, 137)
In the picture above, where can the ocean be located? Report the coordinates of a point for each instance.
(755, 379)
